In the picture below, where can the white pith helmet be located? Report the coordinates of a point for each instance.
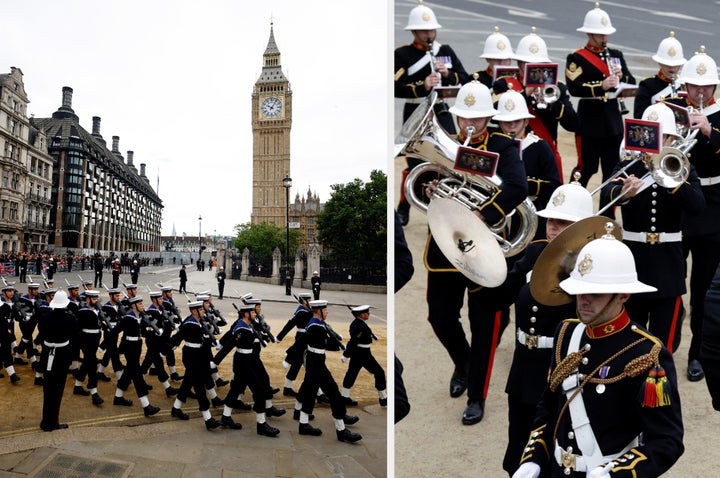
(497, 46)
(670, 52)
(569, 202)
(662, 114)
(700, 70)
(473, 101)
(597, 21)
(512, 106)
(532, 49)
(422, 18)
(604, 266)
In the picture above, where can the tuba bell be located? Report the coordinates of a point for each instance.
(429, 142)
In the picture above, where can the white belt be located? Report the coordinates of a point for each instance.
(534, 341)
(652, 237)
(91, 331)
(710, 181)
(364, 346)
(56, 345)
(568, 460)
(132, 339)
(316, 351)
(193, 345)
(414, 101)
(299, 330)
(243, 351)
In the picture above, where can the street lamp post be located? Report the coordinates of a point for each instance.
(287, 184)
(199, 237)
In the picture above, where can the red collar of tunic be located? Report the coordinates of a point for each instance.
(608, 328)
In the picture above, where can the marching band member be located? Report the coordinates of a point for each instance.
(419, 67)
(535, 323)
(701, 229)
(652, 217)
(589, 78)
(664, 84)
(497, 50)
(611, 407)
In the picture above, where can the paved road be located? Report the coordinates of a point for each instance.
(118, 441)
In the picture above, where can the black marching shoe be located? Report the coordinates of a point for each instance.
(307, 429)
(49, 428)
(348, 436)
(20, 361)
(178, 413)
(296, 415)
(221, 382)
(695, 371)
(218, 402)
(274, 390)
(150, 410)
(458, 383)
(228, 422)
(79, 390)
(474, 412)
(323, 399)
(171, 391)
(383, 402)
(176, 377)
(14, 378)
(103, 377)
(350, 402)
(122, 401)
(211, 423)
(274, 412)
(289, 392)
(97, 399)
(38, 380)
(267, 430)
(351, 419)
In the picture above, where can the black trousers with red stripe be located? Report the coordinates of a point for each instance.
(445, 296)
(662, 316)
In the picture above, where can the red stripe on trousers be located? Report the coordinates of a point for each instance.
(673, 324)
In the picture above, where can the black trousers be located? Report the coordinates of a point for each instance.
(662, 316)
(88, 346)
(364, 358)
(54, 382)
(318, 376)
(705, 252)
(132, 371)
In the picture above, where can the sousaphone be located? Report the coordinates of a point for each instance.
(558, 258)
(467, 242)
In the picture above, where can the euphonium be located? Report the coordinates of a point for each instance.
(432, 144)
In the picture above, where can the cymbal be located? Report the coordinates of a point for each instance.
(467, 242)
(558, 258)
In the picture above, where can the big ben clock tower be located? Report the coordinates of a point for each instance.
(271, 121)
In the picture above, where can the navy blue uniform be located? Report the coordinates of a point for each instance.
(358, 350)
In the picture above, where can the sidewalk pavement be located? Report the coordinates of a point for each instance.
(162, 446)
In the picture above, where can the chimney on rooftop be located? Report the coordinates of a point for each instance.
(115, 143)
(96, 126)
(142, 170)
(67, 93)
(130, 155)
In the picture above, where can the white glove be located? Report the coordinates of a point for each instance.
(601, 471)
(527, 470)
(343, 358)
(285, 364)
(218, 347)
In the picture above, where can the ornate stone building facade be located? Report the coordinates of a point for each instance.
(101, 202)
(26, 172)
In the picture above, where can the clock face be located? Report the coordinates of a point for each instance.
(271, 107)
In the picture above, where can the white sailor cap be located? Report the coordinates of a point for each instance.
(8, 286)
(205, 292)
(166, 288)
(114, 290)
(135, 299)
(196, 304)
(253, 301)
(318, 304)
(202, 297)
(155, 294)
(246, 308)
(360, 309)
(130, 286)
(33, 285)
(91, 293)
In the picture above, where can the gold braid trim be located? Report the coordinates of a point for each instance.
(565, 368)
(642, 364)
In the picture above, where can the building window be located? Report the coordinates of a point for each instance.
(6, 179)
(13, 211)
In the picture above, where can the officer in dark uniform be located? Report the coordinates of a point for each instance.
(316, 284)
(497, 50)
(446, 286)
(652, 217)
(664, 84)
(419, 67)
(701, 229)
(221, 276)
(588, 78)
(198, 341)
(611, 406)
(91, 322)
(9, 314)
(248, 370)
(317, 375)
(358, 351)
(29, 303)
(57, 328)
(132, 326)
(294, 354)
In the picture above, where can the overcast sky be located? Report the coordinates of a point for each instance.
(174, 78)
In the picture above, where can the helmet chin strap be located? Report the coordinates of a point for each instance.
(602, 311)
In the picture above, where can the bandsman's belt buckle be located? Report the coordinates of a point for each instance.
(652, 237)
(531, 341)
(567, 459)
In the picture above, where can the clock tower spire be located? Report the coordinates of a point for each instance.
(271, 122)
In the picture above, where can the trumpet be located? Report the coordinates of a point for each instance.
(546, 96)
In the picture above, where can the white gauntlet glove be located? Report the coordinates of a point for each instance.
(343, 358)
(527, 470)
(601, 471)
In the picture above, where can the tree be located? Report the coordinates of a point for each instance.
(262, 239)
(353, 223)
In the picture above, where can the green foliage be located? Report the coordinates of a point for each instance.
(262, 239)
(353, 223)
